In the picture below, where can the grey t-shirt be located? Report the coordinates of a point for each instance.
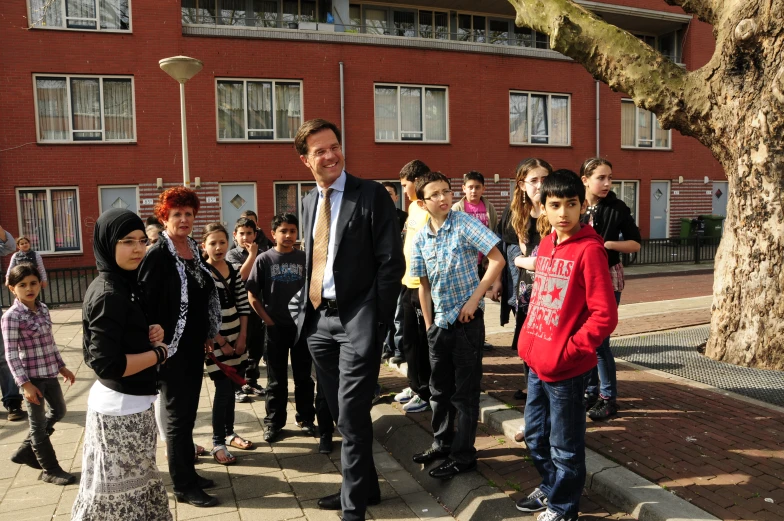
(276, 277)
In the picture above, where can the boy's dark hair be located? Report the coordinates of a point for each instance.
(19, 272)
(387, 184)
(413, 169)
(281, 218)
(563, 184)
(425, 179)
(309, 128)
(473, 175)
(248, 213)
(152, 220)
(244, 222)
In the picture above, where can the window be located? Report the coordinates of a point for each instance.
(627, 192)
(434, 24)
(288, 198)
(390, 21)
(503, 31)
(84, 108)
(411, 113)
(255, 13)
(471, 28)
(641, 129)
(539, 119)
(250, 110)
(94, 15)
(49, 217)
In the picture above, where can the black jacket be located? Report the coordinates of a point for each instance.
(114, 325)
(611, 218)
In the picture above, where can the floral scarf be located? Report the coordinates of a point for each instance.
(214, 303)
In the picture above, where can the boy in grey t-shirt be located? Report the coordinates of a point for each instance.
(277, 276)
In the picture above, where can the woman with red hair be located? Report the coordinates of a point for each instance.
(180, 295)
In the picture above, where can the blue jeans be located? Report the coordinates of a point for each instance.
(555, 435)
(604, 372)
(11, 395)
(456, 372)
(42, 421)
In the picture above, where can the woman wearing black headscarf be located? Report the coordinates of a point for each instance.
(120, 480)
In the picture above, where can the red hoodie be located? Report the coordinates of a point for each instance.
(572, 307)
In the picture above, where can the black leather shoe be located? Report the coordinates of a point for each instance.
(430, 454)
(271, 434)
(325, 444)
(204, 482)
(308, 429)
(196, 497)
(332, 502)
(451, 468)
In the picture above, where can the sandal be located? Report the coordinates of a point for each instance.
(229, 457)
(238, 442)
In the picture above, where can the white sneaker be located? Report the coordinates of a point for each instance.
(416, 404)
(404, 395)
(550, 515)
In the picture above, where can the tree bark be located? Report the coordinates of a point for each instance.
(735, 106)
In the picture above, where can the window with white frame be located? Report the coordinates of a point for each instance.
(250, 110)
(84, 108)
(49, 217)
(288, 198)
(537, 118)
(640, 128)
(89, 15)
(627, 192)
(411, 113)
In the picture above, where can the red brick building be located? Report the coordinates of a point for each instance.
(91, 121)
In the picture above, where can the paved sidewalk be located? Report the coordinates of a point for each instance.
(269, 483)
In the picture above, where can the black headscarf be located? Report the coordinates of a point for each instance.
(110, 227)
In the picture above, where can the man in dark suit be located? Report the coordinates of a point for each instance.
(354, 266)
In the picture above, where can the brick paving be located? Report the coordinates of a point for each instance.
(677, 285)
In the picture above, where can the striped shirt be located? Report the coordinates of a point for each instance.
(29, 344)
(448, 259)
(232, 311)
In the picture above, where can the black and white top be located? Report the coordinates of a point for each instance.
(234, 304)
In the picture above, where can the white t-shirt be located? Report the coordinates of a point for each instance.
(112, 403)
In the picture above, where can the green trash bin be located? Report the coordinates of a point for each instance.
(685, 228)
(713, 225)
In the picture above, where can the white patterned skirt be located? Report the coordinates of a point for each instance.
(120, 480)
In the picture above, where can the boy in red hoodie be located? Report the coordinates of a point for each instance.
(572, 310)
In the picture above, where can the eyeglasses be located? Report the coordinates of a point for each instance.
(335, 149)
(538, 182)
(133, 242)
(439, 195)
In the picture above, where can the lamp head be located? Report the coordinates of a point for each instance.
(181, 68)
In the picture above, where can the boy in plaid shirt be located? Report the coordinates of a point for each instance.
(444, 257)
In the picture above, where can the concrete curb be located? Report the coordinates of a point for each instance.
(643, 499)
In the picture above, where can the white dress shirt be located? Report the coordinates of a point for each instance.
(335, 198)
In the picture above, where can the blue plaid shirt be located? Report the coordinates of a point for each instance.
(448, 259)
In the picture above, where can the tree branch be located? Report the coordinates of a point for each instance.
(615, 57)
(705, 10)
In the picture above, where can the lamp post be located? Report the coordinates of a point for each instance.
(182, 68)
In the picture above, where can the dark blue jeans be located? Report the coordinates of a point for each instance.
(222, 411)
(555, 435)
(11, 395)
(604, 372)
(456, 372)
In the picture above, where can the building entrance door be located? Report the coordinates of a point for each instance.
(235, 198)
(660, 209)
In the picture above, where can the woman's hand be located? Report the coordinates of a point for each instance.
(31, 393)
(239, 344)
(68, 376)
(227, 349)
(155, 333)
(208, 348)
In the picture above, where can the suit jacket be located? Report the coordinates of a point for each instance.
(368, 262)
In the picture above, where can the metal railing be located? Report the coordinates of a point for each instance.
(66, 286)
(673, 251)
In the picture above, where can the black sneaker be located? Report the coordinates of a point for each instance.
(589, 400)
(254, 389)
(397, 360)
(535, 502)
(240, 397)
(308, 429)
(271, 434)
(15, 414)
(325, 444)
(603, 410)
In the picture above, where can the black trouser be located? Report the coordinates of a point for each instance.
(326, 423)
(180, 389)
(255, 344)
(414, 344)
(279, 341)
(456, 362)
(348, 375)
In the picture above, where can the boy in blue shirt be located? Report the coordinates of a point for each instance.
(444, 257)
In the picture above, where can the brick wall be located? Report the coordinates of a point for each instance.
(688, 200)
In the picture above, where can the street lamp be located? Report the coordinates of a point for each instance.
(182, 68)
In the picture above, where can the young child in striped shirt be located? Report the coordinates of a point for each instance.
(229, 348)
(35, 362)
